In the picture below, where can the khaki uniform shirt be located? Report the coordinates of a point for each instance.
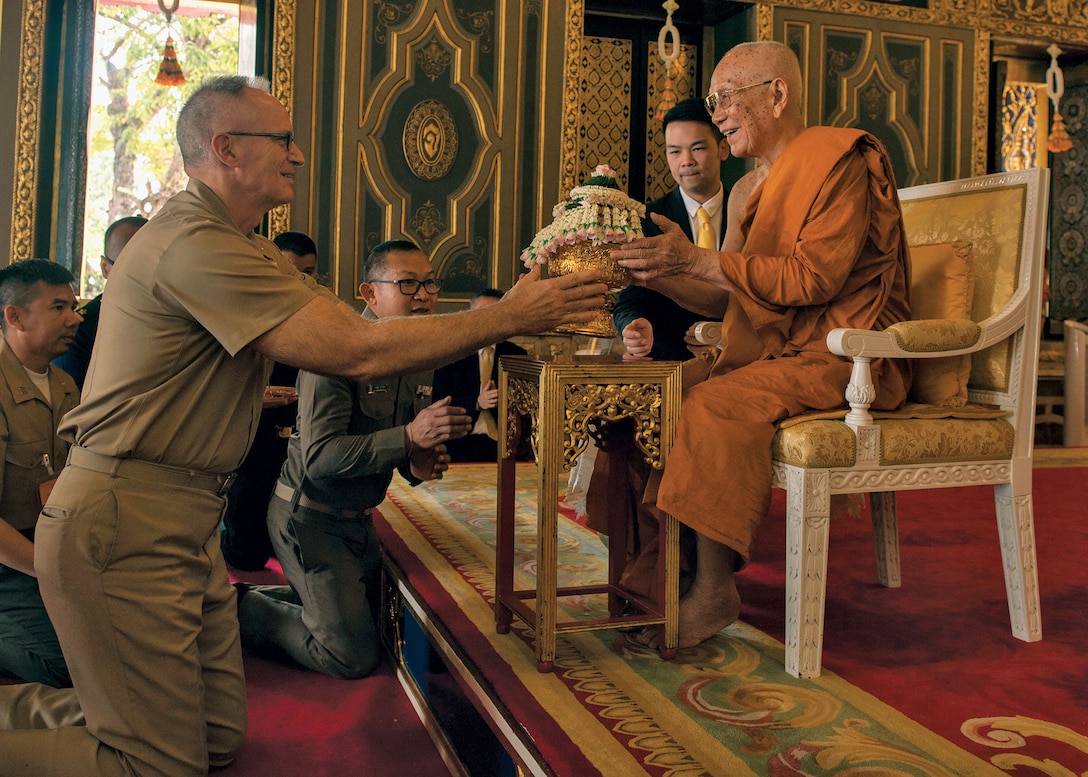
(28, 435)
(172, 380)
(350, 436)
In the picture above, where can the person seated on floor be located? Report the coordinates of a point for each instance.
(78, 356)
(823, 247)
(243, 533)
(650, 323)
(472, 382)
(350, 438)
(39, 321)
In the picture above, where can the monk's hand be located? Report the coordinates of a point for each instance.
(638, 339)
(437, 423)
(539, 305)
(670, 253)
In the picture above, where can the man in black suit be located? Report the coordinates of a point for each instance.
(464, 381)
(651, 324)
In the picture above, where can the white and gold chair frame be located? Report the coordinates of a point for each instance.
(989, 441)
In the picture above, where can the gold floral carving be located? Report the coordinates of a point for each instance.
(586, 403)
(283, 86)
(434, 59)
(523, 399)
(427, 221)
(430, 140)
(479, 23)
(388, 15)
(27, 130)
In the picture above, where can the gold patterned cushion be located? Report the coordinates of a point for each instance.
(826, 444)
(942, 286)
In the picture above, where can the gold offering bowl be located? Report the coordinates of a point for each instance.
(584, 255)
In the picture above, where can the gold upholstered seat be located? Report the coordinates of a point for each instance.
(977, 262)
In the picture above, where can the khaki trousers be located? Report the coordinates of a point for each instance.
(134, 581)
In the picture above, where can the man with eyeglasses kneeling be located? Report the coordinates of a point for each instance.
(350, 438)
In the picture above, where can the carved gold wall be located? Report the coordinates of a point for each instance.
(440, 135)
(912, 86)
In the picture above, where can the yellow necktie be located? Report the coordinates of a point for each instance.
(705, 238)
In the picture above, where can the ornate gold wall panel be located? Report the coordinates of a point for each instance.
(658, 179)
(1068, 259)
(604, 108)
(24, 203)
(436, 125)
(912, 86)
(282, 78)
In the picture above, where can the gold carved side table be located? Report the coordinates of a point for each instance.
(563, 400)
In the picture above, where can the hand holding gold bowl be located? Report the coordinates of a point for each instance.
(597, 217)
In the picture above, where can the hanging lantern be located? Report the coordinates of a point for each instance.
(668, 95)
(170, 70)
(1058, 140)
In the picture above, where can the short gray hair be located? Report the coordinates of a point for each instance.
(197, 117)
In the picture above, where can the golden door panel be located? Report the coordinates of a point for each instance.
(437, 118)
(910, 85)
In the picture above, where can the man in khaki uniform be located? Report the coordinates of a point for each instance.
(197, 309)
(37, 306)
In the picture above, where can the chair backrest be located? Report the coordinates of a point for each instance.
(1004, 217)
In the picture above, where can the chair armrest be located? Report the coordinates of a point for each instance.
(708, 332)
(929, 338)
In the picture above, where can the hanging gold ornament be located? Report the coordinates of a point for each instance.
(669, 35)
(1059, 140)
(170, 70)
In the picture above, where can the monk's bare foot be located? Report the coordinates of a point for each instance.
(706, 610)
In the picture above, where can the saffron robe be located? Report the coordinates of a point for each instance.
(824, 248)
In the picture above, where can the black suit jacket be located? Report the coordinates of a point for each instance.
(461, 380)
(669, 320)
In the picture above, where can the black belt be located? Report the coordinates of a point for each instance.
(136, 469)
(294, 497)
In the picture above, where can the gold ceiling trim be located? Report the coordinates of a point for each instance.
(1048, 21)
(283, 86)
(24, 202)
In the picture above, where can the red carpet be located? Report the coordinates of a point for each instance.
(927, 675)
(939, 649)
(303, 724)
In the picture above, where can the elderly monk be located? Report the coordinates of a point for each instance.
(821, 246)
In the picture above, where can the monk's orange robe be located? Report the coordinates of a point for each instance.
(824, 248)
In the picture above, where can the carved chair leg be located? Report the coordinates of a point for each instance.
(1016, 530)
(808, 510)
(886, 537)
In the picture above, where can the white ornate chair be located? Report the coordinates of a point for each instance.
(1076, 384)
(977, 261)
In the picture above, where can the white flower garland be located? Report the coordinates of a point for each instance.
(597, 214)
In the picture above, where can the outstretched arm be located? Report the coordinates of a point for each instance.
(319, 339)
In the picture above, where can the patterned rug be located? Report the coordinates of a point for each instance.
(611, 708)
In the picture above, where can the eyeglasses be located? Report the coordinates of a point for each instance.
(722, 98)
(410, 286)
(287, 138)
(107, 260)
